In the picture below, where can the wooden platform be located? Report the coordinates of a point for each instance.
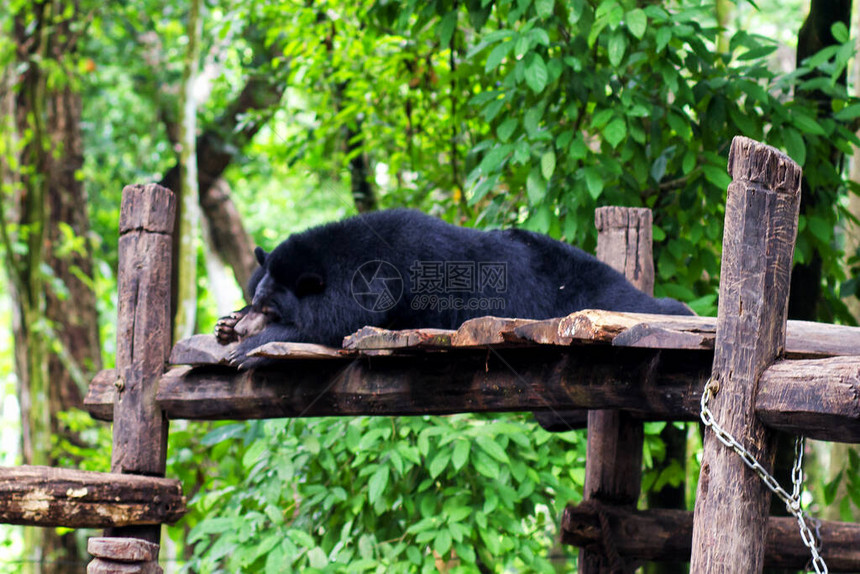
(650, 365)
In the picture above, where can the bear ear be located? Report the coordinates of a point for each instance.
(309, 284)
(261, 256)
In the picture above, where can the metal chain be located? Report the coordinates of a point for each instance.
(792, 501)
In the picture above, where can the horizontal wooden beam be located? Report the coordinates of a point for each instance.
(653, 384)
(46, 496)
(666, 536)
(822, 396)
(814, 397)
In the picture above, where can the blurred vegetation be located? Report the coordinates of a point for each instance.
(523, 113)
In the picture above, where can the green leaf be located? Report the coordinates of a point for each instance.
(498, 54)
(689, 163)
(593, 181)
(637, 22)
(301, 537)
(447, 27)
(438, 465)
(664, 35)
(442, 543)
(493, 449)
(820, 228)
(485, 465)
(536, 73)
(617, 47)
(807, 124)
(531, 121)
(495, 158)
(544, 8)
(461, 454)
(848, 113)
(717, 176)
(615, 132)
(539, 36)
(377, 484)
(506, 129)
(535, 186)
(547, 164)
(794, 145)
(522, 46)
(840, 32)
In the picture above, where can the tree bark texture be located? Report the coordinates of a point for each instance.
(56, 327)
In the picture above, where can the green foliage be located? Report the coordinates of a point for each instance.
(91, 448)
(386, 495)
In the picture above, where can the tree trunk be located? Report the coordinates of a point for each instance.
(56, 328)
(188, 204)
(813, 36)
(216, 147)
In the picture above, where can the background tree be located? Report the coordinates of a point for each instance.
(44, 227)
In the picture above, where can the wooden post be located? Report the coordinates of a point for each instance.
(143, 336)
(613, 463)
(758, 244)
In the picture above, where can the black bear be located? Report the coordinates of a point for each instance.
(401, 269)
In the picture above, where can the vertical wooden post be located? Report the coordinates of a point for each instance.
(143, 336)
(758, 245)
(613, 463)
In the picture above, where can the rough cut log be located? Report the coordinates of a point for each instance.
(758, 244)
(45, 496)
(123, 549)
(819, 402)
(102, 566)
(282, 350)
(665, 536)
(200, 350)
(803, 339)
(143, 333)
(443, 383)
(485, 331)
(613, 462)
(822, 395)
(368, 338)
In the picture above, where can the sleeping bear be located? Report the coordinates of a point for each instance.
(402, 269)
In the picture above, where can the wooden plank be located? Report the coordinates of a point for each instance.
(662, 535)
(369, 338)
(282, 350)
(804, 339)
(143, 333)
(46, 496)
(539, 332)
(484, 331)
(200, 350)
(758, 244)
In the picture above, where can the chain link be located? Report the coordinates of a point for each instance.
(792, 501)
